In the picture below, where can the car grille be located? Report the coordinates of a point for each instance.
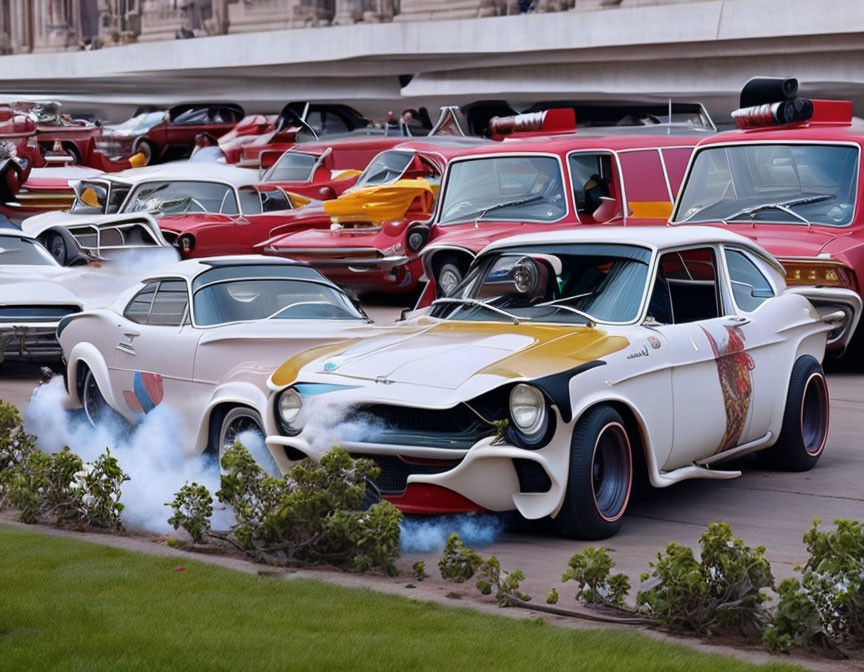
(458, 427)
(395, 470)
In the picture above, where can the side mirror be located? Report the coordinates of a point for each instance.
(607, 209)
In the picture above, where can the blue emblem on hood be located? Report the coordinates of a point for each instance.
(331, 365)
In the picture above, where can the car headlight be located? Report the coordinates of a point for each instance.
(416, 239)
(289, 406)
(527, 409)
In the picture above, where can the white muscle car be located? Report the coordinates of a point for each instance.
(202, 337)
(564, 359)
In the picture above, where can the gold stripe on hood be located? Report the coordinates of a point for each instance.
(555, 348)
(290, 368)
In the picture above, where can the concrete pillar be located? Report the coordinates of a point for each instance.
(160, 20)
(427, 10)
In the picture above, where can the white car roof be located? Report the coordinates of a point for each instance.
(190, 268)
(4, 231)
(184, 170)
(657, 237)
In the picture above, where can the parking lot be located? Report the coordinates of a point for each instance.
(764, 508)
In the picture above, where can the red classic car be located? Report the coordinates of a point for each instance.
(18, 151)
(790, 178)
(525, 185)
(368, 239)
(297, 122)
(324, 170)
(169, 135)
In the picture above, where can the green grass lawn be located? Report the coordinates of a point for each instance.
(72, 605)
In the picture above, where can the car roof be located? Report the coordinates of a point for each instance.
(657, 237)
(191, 268)
(815, 132)
(562, 144)
(185, 170)
(16, 233)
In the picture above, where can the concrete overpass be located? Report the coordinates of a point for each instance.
(683, 49)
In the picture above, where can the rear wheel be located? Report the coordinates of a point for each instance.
(804, 432)
(601, 476)
(95, 407)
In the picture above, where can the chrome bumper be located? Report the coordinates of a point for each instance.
(839, 307)
(29, 342)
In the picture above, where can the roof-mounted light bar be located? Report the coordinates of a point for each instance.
(547, 122)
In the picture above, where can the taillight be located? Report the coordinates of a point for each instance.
(818, 272)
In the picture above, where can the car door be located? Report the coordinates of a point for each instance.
(721, 377)
(153, 359)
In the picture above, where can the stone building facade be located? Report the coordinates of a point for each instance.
(34, 26)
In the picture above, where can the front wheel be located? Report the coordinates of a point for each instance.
(240, 421)
(56, 246)
(601, 476)
(805, 420)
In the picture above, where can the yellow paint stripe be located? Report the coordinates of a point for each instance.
(288, 370)
(650, 209)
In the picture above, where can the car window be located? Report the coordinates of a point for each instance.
(568, 284)
(169, 304)
(685, 289)
(274, 200)
(179, 197)
(139, 307)
(250, 201)
(749, 287)
(326, 122)
(270, 298)
(504, 188)
(592, 178)
(15, 251)
(292, 167)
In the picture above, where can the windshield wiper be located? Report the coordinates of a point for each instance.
(507, 204)
(784, 206)
(588, 319)
(481, 304)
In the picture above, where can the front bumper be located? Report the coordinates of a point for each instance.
(30, 342)
(492, 474)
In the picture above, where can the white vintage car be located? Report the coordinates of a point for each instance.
(562, 362)
(36, 292)
(202, 337)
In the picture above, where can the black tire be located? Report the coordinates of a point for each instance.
(804, 432)
(145, 148)
(601, 476)
(448, 273)
(55, 243)
(96, 409)
(233, 423)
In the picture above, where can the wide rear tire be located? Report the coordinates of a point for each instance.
(601, 476)
(804, 432)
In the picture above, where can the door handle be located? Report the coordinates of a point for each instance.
(738, 320)
(131, 334)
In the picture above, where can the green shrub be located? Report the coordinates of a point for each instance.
(592, 571)
(58, 487)
(825, 608)
(420, 572)
(312, 514)
(458, 563)
(552, 596)
(492, 579)
(193, 507)
(722, 593)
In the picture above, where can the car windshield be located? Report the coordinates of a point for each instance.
(771, 183)
(506, 188)
(386, 167)
(181, 197)
(24, 252)
(270, 299)
(567, 283)
(292, 167)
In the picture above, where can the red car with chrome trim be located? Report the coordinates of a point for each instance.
(789, 178)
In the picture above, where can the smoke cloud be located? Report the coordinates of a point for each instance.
(424, 535)
(157, 466)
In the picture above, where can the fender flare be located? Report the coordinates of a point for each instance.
(88, 354)
(234, 393)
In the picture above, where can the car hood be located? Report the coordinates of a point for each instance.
(317, 238)
(444, 355)
(34, 290)
(787, 240)
(476, 238)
